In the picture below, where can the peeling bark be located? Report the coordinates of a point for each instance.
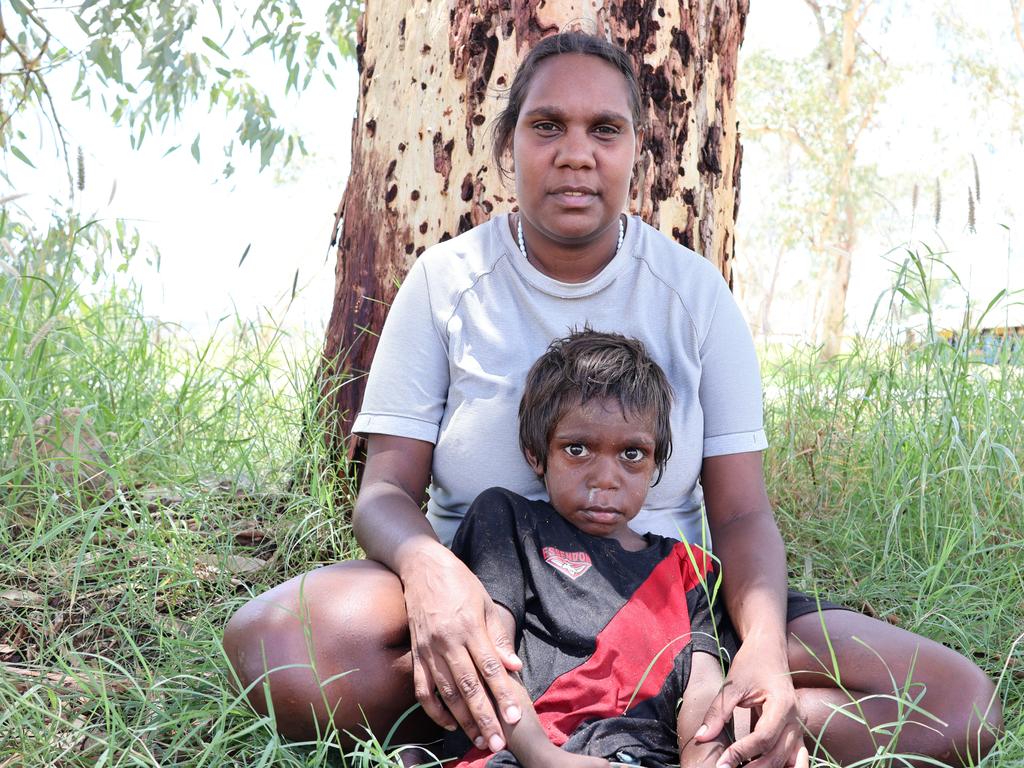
(431, 80)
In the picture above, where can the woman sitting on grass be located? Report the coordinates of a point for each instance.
(353, 642)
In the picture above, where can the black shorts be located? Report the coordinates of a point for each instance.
(797, 604)
(800, 604)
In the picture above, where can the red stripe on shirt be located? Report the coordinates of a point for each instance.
(634, 655)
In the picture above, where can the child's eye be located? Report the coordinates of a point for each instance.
(576, 450)
(633, 454)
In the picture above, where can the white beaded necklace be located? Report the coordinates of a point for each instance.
(522, 242)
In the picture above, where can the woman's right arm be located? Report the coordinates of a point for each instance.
(459, 647)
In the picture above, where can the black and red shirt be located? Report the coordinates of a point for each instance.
(605, 634)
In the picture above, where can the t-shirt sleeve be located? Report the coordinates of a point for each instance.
(730, 383)
(488, 543)
(408, 381)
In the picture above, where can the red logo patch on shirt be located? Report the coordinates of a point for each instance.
(571, 564)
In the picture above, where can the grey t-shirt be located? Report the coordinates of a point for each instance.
(472, 316)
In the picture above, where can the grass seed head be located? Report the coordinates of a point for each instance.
(39, 336)
(81, 170)
(977, 179)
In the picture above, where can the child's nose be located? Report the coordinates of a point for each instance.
(605, 473)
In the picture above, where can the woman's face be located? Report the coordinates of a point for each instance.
(574, 148)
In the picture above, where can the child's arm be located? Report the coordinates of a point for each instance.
(526, 738)
(704, 685)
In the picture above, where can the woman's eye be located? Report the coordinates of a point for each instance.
(633, 454)
(576, 450)
(607, 130)
(545, 127)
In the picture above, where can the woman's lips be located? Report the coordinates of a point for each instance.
(574, 197)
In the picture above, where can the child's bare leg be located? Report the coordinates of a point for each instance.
(871, 655)
(531, 746)
(704, 684)
(338, 639)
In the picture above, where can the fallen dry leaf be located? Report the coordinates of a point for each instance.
(868, 610)
(251, 536)
(156, 499)
(22, 598)
(63, 680)
(171, 624)
(233, 564)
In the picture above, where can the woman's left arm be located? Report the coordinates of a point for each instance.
(747, 541)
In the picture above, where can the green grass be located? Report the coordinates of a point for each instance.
(895, 472)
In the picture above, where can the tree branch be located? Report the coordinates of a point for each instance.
(12, 113)
(815, 7)
(789, 132)
(878, 54)
(869, 114)
(864, 13)
(32, 71)
(1016, 10)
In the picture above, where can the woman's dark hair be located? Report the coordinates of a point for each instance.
(556, 45)
(586, 365)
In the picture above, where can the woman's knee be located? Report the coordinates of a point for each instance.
(971, 710)
(330, 647)
(957, 703)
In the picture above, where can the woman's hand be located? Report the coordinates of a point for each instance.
(460, 650)
(754, 579)
(759, 680)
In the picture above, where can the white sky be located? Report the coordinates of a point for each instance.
(202, 223)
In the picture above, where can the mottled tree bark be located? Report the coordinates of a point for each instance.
(432, 78)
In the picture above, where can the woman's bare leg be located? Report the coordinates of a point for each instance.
(878, 664)
(333, 647)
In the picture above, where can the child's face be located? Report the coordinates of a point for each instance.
(600, 465)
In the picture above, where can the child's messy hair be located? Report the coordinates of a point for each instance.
(586, 365)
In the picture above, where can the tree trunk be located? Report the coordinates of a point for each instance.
(841, 221)
(432, 77)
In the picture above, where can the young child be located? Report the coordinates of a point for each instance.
(613, 628)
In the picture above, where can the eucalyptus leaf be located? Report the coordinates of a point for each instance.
(138, 58)
(21, 156)
(214, 46)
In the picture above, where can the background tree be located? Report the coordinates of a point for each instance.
(431, 79)
(777, 231)
(1017, 10)
(144, 63)
(815, 111)
(840, 185)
